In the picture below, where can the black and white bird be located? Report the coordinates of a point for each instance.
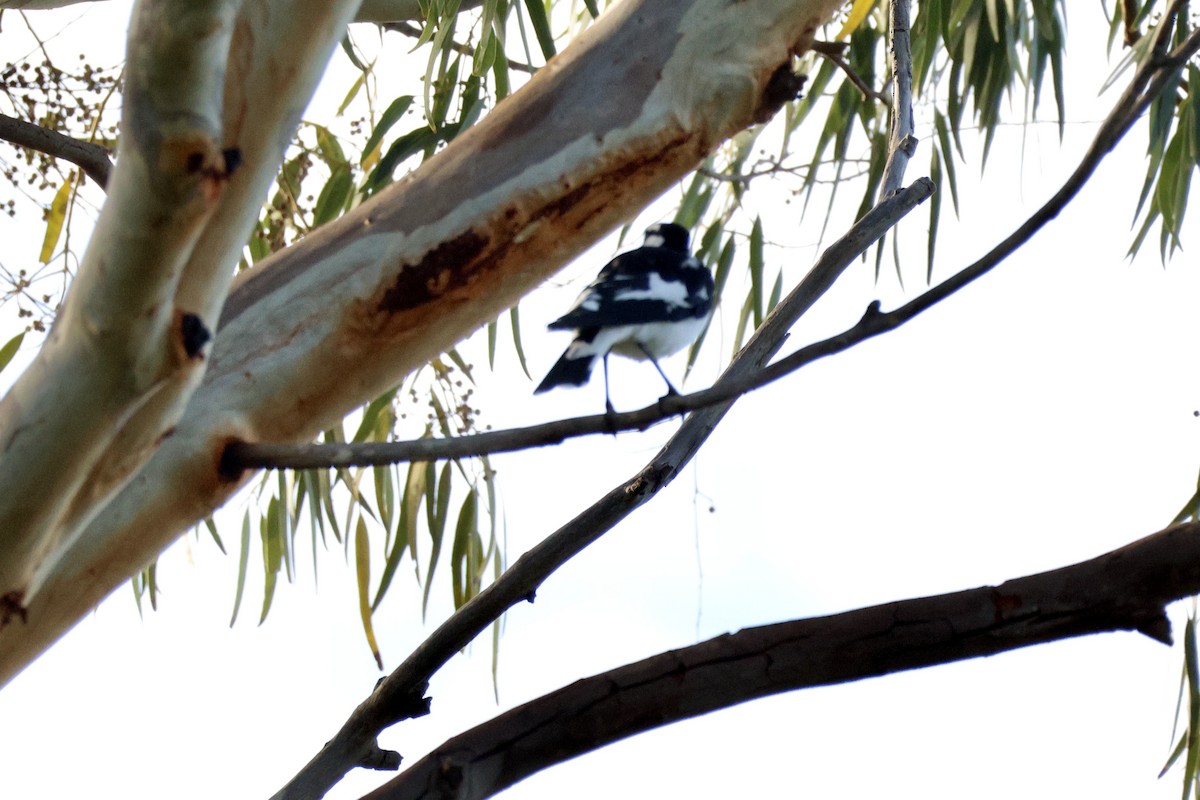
(645, 304)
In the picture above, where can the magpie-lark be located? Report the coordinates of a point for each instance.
(645, 304)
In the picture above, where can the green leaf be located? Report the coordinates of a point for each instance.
(10, 349)
(437, 529)
(348, 49)
(212, 531)
(272, 555)
(776, 292)
(329, 147)
(390, 116)
(362, 562)
(352, 93)
(463, 534)
(371, 414)
(514, 319)
(935, 209)
(406, 532)
(943, 136)
(243, 561)
(720, 275)
(492, 330)
(1192, 735)
(334, 197)
(756, 271)
(500, 75)
(55, 218)
(459, 362)
(400, 150)
(541, 27)
(385, 495)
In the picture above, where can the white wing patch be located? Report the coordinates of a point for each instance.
(670, 292)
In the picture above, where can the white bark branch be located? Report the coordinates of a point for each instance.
(902, 144)
(118, 340)
(125, 353)
(346, 312)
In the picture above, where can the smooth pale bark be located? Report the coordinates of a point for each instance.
(116, 372)
(635, 103)
(119, 339)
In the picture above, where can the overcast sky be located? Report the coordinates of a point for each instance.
(1038, 418)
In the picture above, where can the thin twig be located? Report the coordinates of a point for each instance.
(92, 158)
(863, 87)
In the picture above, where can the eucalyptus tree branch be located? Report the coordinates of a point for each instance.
(1147, 84)
(834, 52)
(413, 30)
(90, 157)
(399, 696)
(239, 456)
(1124, 590)
(901, 141)
(404, 276)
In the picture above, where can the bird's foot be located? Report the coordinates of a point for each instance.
(610, 414)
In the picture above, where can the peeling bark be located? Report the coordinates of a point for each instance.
(409, 273)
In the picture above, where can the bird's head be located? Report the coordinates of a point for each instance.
(668, 235)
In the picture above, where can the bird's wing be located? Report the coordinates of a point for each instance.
(644, 285)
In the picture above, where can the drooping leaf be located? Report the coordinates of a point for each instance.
(390, 116)
(56, 216)
(514, 319)
(10, 349)
(464, 530)
(858, 13)
(243, 561)
(362, 563)
(541, 27)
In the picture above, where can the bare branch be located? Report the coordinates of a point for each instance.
(395, 698)
(901, 141)
(834, 52)
(397, 695)
(251, 455)
(92, 158)
(1124, 590)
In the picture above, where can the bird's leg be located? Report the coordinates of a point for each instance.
(671, 390)
(608, 406)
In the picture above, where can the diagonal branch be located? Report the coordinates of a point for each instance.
(1125, 590)
(239, 455)
(92, 158)
(399, 695)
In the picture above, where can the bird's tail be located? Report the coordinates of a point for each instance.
(568, 371)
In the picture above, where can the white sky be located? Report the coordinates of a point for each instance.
(1038, 418)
